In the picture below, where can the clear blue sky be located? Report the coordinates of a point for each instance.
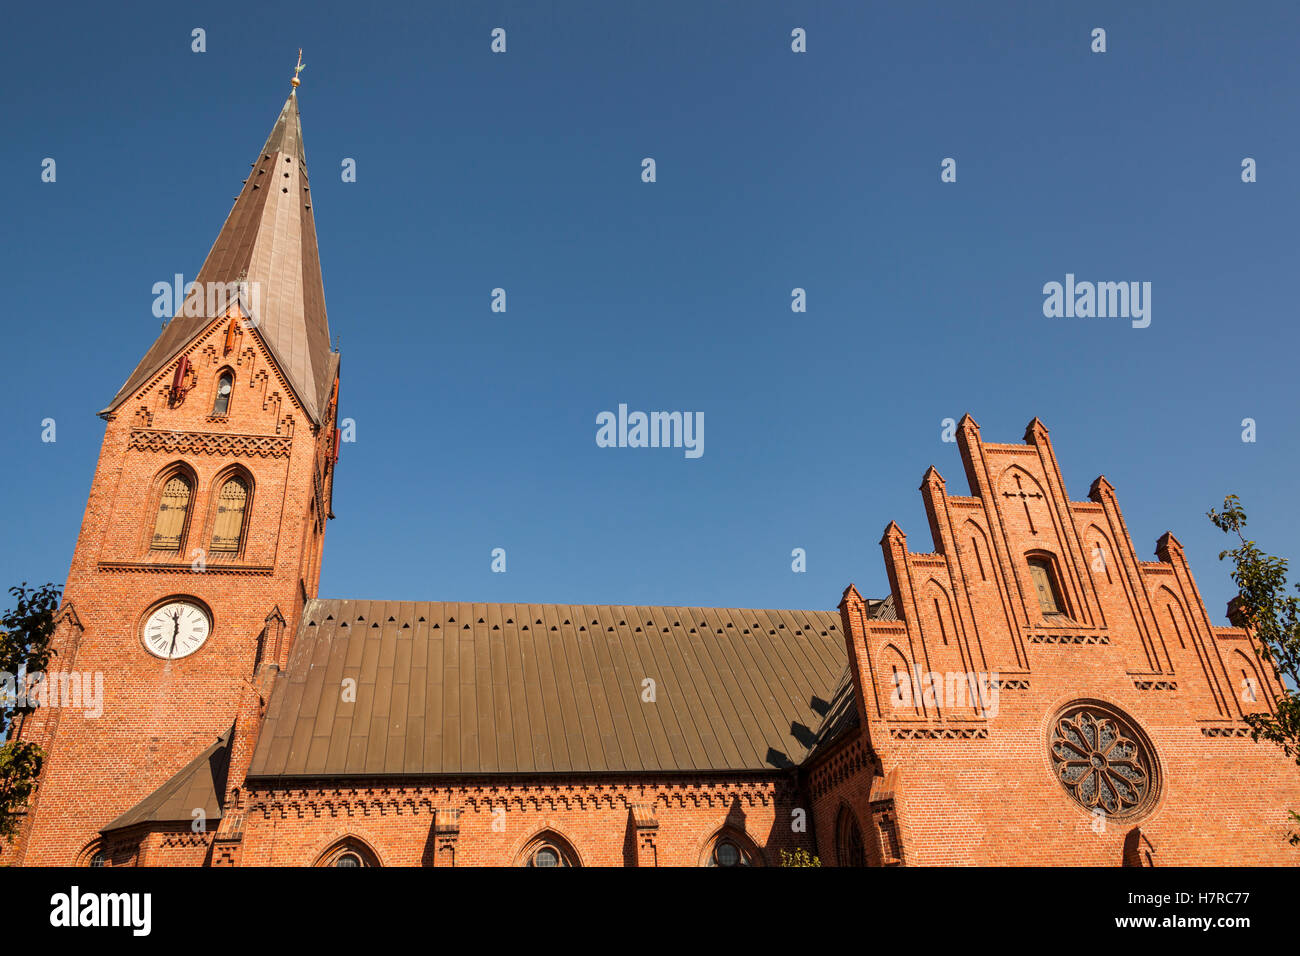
(476, 430)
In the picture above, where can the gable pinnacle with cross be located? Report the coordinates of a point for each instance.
(1024, 497)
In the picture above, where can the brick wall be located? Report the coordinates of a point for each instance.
(494, 822)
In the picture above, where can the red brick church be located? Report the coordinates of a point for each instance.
(1030, 691)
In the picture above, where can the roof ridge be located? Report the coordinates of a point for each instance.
(694, 607)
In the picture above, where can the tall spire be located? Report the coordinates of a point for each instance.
(268, 245)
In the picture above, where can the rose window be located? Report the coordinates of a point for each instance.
(1102, 761)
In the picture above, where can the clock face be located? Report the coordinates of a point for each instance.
(176, 629)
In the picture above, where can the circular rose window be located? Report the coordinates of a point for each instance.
(1104, 762)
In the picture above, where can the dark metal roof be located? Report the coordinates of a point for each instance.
(469, 689)
(200, 784)
(269, 239)
(841, 716)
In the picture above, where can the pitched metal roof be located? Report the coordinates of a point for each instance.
(469, 689)
(841, 716)
(269, 241)
(199, 785)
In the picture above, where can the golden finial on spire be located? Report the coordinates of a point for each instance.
(298, 69)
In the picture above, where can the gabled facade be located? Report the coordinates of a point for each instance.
(1029, 692)
(1044, 695)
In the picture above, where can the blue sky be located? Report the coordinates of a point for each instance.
(475, 430)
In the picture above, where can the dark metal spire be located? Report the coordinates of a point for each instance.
(268, 242)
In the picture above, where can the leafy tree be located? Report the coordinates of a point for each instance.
(799, 857)
(25, 633)
(1273, 617)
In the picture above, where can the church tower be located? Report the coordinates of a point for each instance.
(200, 544)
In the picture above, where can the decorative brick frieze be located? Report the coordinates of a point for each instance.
(1226, 731)
(838, 767)
(184, 839)
(939, 733)
(1085, 639)
(209, 443)
(639, 821)
(213, 567)
(1147, 683)
(536, 794)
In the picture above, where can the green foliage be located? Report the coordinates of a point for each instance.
(1273, 617)
(20, 766)
(25, 633)
(799, 857)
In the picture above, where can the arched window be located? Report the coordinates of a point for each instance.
(92, 854)
(548, 850)
(348, 852)
(729, 853)
(731, 849)
(1044, 578)
(228, 529)
(848, 840)
(225, 384)
(546, 855)
(173, 509)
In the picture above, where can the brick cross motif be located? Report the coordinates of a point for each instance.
(1024, 497)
